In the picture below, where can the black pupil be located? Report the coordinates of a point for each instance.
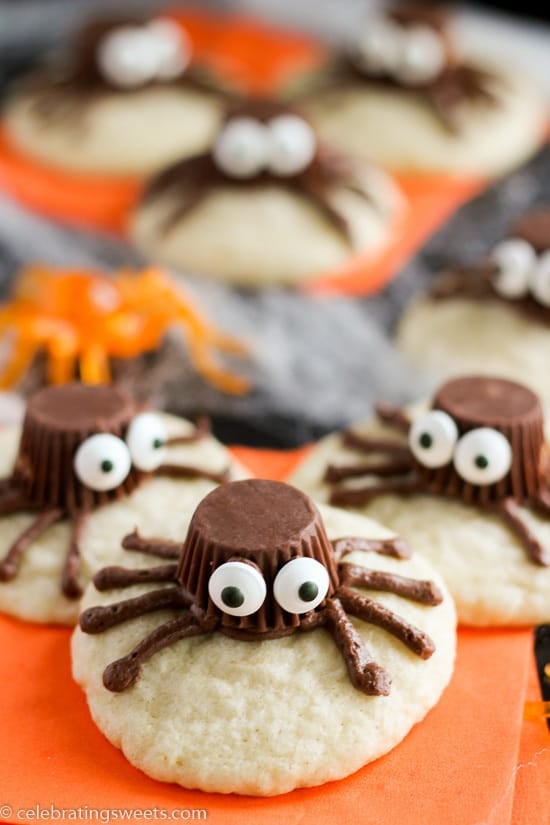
(308, 591)
(232, 596)
(106, 465)
(157, 443)
(481, 461)
(425, 440)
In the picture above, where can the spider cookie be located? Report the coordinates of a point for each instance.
(467, 480)
(403, 95)
(88, 467)
(499, 307)
(128, 100)
(276, 647)
(266, 205)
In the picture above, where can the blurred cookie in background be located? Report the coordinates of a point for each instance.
(269, 204)
(407, 95)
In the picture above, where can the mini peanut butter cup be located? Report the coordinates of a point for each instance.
(57, 421)
(263, 523)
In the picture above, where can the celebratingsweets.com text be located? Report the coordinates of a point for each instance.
(88, 813)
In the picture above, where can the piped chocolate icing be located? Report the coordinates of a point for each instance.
(269, 527)
(490, 408)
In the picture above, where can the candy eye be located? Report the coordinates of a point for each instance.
(432, 438)
(125, 57)
(292, 145)
(102, 462)
(483, 456)
(378, 50)
(422, 56)
(301, 585)
(146, 438)
(514, 260)
(540, 280)
(237, 588)
(241, 150)
(172, 47)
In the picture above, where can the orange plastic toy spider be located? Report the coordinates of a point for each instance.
(81, 320)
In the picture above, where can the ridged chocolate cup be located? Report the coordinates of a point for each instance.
(57, 421)
(265, 523)
(510, 408)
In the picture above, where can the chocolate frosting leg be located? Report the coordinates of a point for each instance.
(354, 497)
(424, 592)
(110, 578)
(396, 467)
(536, 552)
(394, 416)
(398, 548)
(374, 613)
(202, 429)
(364, 673)
(124, 672)
(161, 548)
(187, 471)
(98, 619)
(69, 581)
(10, 565)
(375, 444)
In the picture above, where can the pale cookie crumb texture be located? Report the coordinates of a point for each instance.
(161, 506)
(132, 133)
(447, 337)
(400, 131)
(484, 566)
(266, 235)
(263, 718)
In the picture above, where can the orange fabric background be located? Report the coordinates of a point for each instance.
(458, 767)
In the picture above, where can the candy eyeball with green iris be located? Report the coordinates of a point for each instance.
(242, 148)
(292, 145)
(514, 260)
(483, 456)
(378, 49)
(146, 438)
(432, 438)
(422, 56)
(131, 56)
(540, 280)
(237, 588)
(301, 585)
(102, 462)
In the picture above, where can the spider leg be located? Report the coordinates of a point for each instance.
(70, 585)
(398, 548)
(124, 672)
(542, 501)
(202, 429)
(535, 550)
(393, 416)
(11, 498)
(397, 466)
(353, 497)
(110, 578)
(320, 199)
(97, 619)
(363, 671)
(162, 548)
(188, 471)
(424, 592)
(370, 611)
(10, 564)
(375, 444)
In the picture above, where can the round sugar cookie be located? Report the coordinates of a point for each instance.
(400, 131)
(447, 338)
(116, 133)
(265, 717)
(484, 564)
(163, 503)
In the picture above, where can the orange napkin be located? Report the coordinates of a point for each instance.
(458, 766)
